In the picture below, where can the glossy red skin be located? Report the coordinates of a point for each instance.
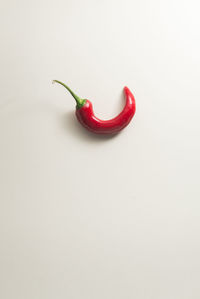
(86, 117)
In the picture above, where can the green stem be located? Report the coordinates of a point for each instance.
(80, 102)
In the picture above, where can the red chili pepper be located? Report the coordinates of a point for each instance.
(85, 114)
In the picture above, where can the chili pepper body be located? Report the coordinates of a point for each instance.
(87, 118)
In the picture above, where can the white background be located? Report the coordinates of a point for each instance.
(83, 217)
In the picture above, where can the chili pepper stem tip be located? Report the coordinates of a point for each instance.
(80, 102)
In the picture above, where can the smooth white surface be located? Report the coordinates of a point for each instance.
(84, 217)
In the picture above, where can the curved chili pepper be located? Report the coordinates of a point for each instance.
(85, 114)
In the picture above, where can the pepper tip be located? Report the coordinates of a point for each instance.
(125, 88)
